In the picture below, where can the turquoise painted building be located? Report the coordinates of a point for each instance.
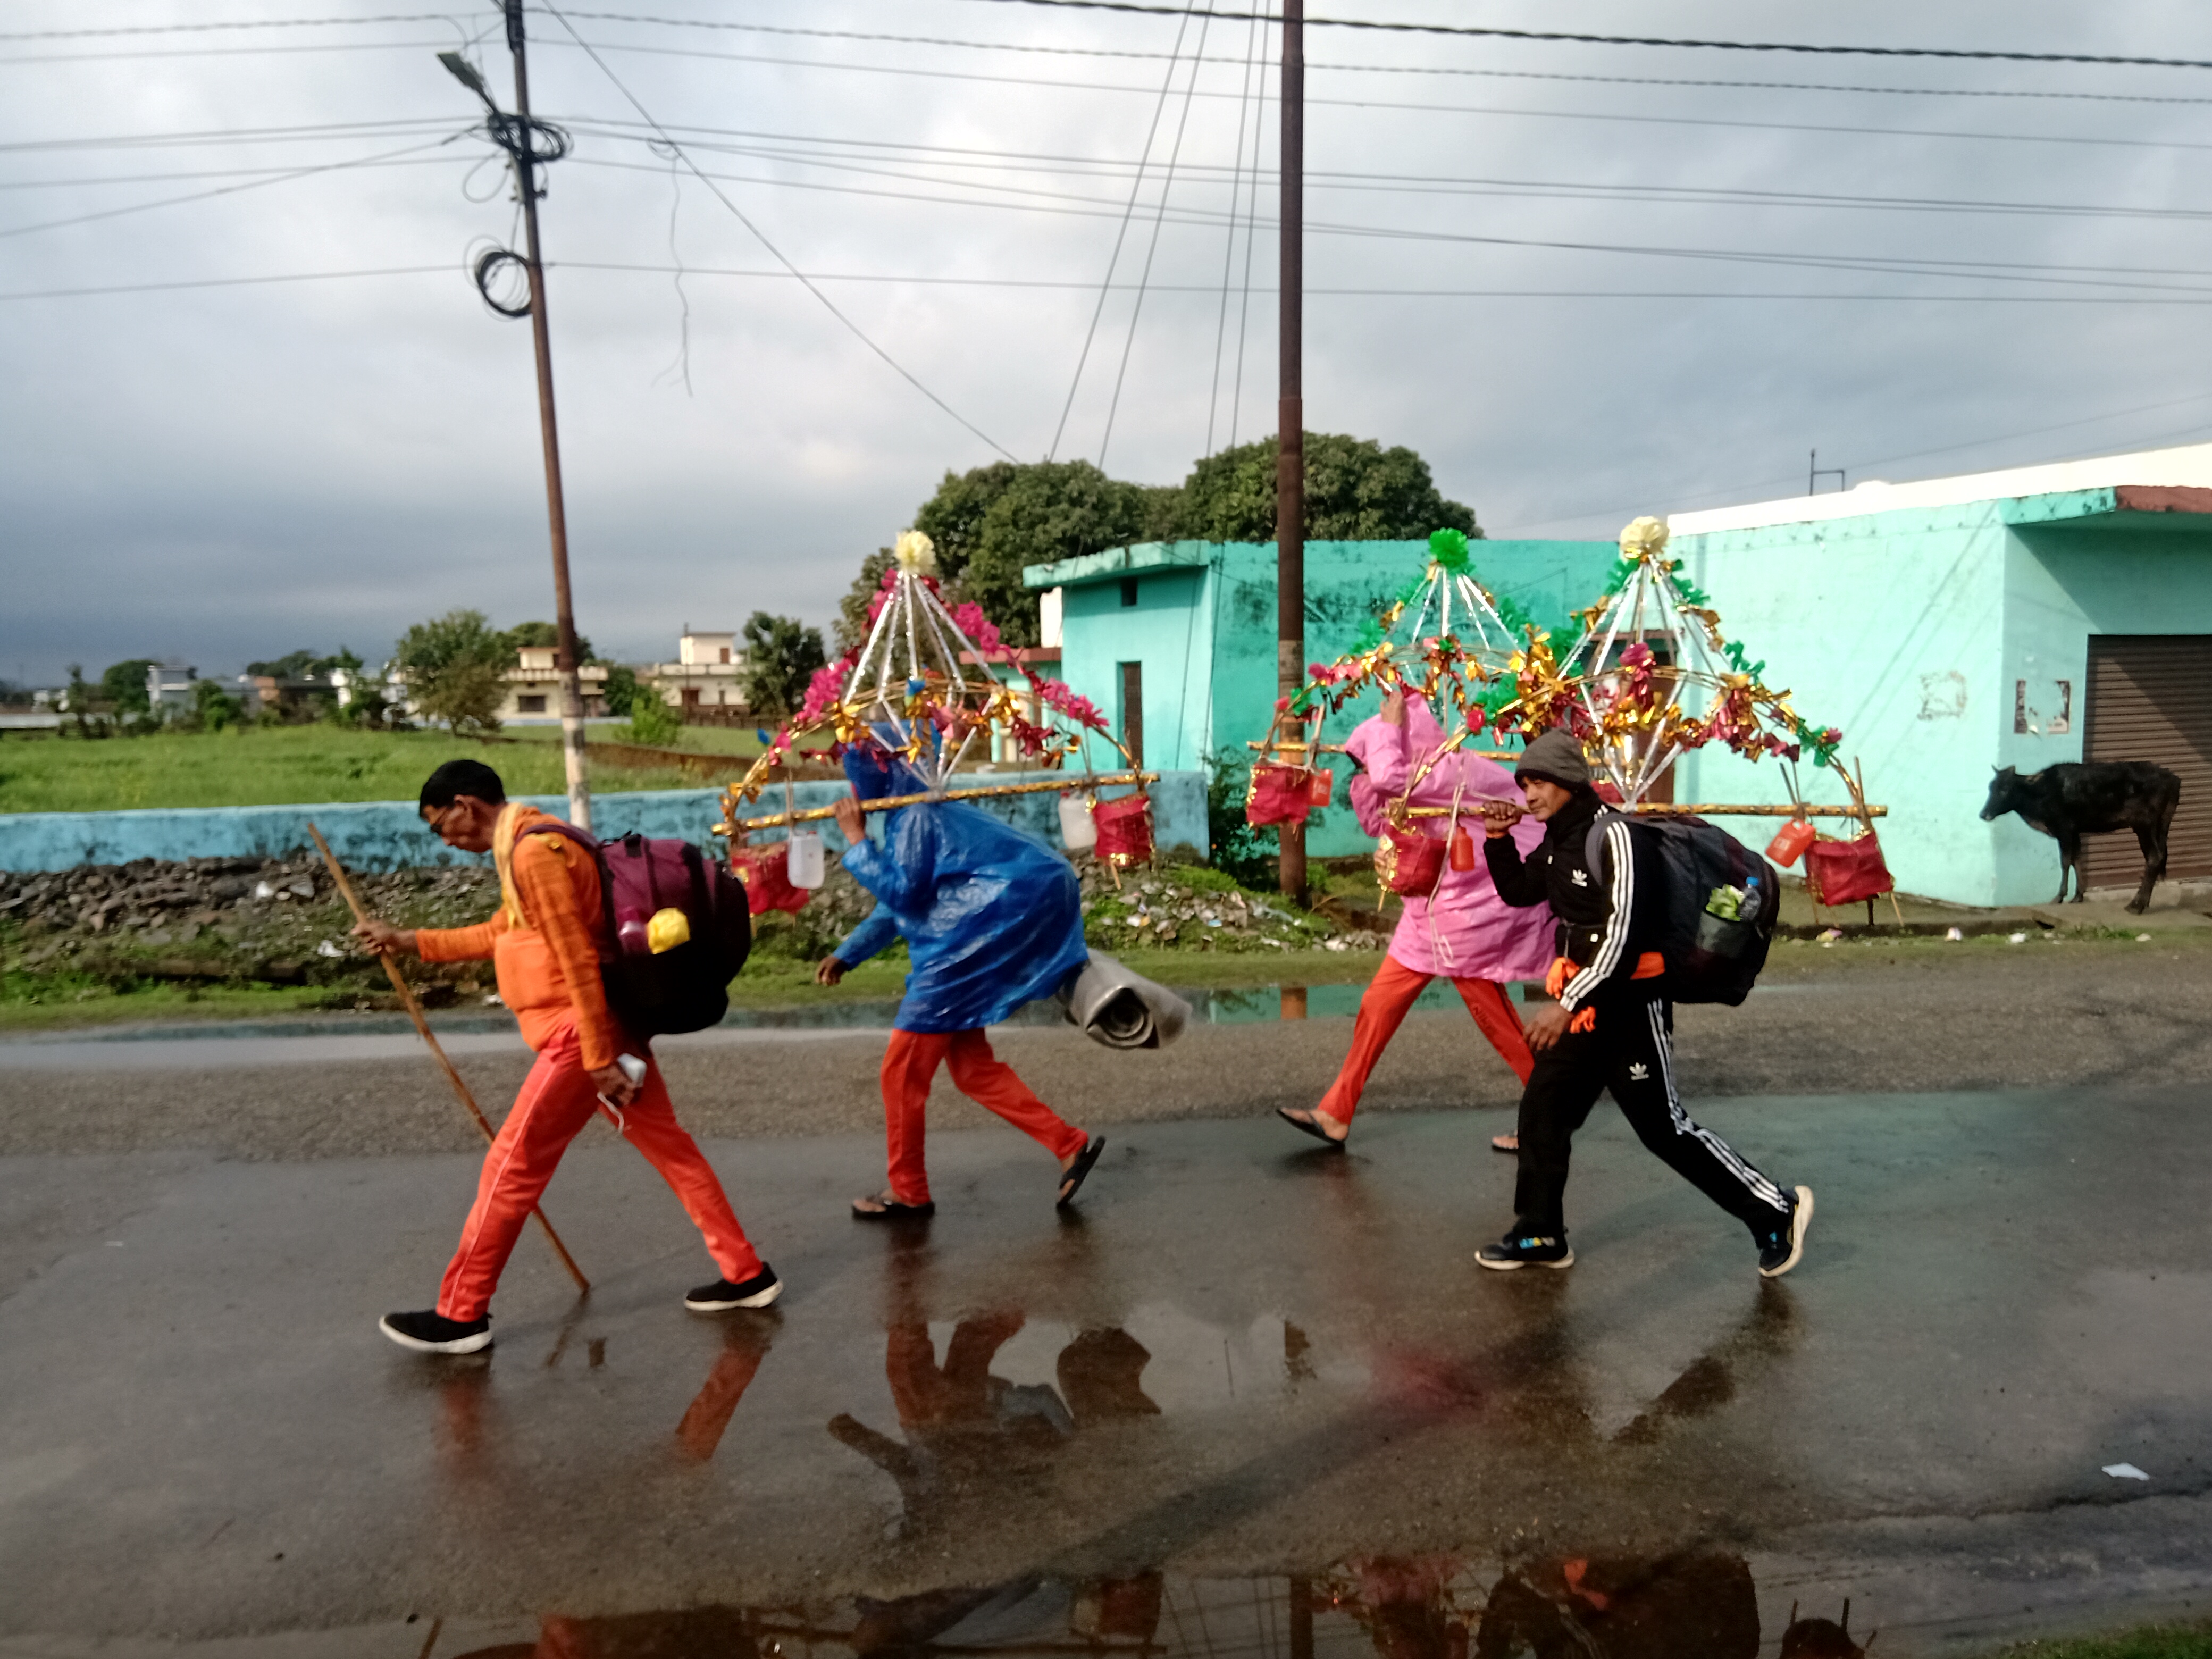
(2015, 618)
(1176, 641)
(1948, 627)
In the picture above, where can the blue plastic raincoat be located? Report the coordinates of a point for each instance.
(993, 917)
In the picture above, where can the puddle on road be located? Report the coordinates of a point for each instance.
(1695, 1604)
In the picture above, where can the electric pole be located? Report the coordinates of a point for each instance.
(1291, 457)
(517, 134)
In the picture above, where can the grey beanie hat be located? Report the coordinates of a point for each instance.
(1555, 757)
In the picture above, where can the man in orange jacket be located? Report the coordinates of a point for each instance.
(547, 942)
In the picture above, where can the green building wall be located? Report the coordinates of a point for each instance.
(1201, 621)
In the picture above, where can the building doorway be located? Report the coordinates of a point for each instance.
(2150, 699)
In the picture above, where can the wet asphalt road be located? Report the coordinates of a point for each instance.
(1853, 1019)
(1252, 1398)
(1241, 1362)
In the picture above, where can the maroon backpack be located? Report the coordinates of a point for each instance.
(685, 987)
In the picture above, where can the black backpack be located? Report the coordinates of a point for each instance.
(1717, 913)
(685, 987)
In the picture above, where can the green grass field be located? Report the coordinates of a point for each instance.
(2192, 1641)
(287, 765)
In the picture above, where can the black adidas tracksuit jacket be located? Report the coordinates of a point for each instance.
(1606, 924)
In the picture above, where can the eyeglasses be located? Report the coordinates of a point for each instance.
(436, 818)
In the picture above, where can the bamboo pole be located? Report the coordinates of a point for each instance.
(890, 803)
(423, 1028)
(1715, 809)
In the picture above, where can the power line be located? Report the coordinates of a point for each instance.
(238, 23)
(1085, 285)
(1252, 35)
(914, 70)
(790, 148)
(1144, 159)
(1063, 204)
(1472, 32)
(777, 254)
(1916, 454)
(224, 190)
(950, 42)
(1159, 213)
(1364, 24)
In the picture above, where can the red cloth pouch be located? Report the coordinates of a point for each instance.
(1839, 872)
(1125, 830)
(1408, 862)
(1278, 794)
(766, 873)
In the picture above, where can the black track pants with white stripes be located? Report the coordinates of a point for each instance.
(1631, 1054)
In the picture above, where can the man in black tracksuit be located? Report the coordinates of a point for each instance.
(1611, 1026)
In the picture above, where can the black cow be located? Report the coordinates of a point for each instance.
(2068, 800)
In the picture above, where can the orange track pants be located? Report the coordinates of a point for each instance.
(1383, 1010)
(910, 1065)
(557, 1100)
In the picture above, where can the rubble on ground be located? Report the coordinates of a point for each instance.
(282, 921)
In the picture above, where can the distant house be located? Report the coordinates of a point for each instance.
(533, 688)
(389, 682)
(258, 693)
(707, 681)
(169, 687)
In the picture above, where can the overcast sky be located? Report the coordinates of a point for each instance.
(229, 472)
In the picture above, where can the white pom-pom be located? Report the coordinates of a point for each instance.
(916, 552)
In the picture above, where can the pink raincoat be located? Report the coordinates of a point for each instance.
(1465, 931)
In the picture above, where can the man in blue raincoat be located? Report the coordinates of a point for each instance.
(993, 919)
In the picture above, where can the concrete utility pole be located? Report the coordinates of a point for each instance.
(517, 134)
(1291, 460)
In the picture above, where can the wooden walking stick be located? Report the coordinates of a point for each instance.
(423, 1028)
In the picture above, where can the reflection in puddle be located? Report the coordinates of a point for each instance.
(1695, 1604)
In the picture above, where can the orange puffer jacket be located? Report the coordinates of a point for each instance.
(548, 967)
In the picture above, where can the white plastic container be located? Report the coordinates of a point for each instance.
(1078, 830)
(803, 862)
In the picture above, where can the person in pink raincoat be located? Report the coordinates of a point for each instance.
(1462, 931)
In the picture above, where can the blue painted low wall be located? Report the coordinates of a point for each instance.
(387, 835)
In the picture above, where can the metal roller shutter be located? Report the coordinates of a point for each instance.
(2150, 698)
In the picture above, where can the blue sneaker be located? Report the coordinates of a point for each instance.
(1525, 1249)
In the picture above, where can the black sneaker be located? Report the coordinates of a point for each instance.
(431, 1332)
(1781, 1248)
(1520, 1249)
(762, 1288)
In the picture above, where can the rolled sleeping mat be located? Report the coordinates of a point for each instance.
(1121, 1009)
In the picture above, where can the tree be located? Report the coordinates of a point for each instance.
(544, 634)
(1356, 490)
(456, 668)
(123, 685)
(213, 707)
(621, 691)
(651, 721)
(782, 654)
(294, 665)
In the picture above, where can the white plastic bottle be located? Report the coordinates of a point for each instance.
(803, 863)
(1078, 831)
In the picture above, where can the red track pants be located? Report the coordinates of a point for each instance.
(557, 1099)
(910, 1065)
(1383, 1010)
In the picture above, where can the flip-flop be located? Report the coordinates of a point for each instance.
(1497, 1145)
(1070, 1178)
(892, 1210)
(1311, 1128)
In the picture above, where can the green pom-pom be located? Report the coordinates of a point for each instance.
(1448, 549)
(1370, 636)
(1617, 578)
